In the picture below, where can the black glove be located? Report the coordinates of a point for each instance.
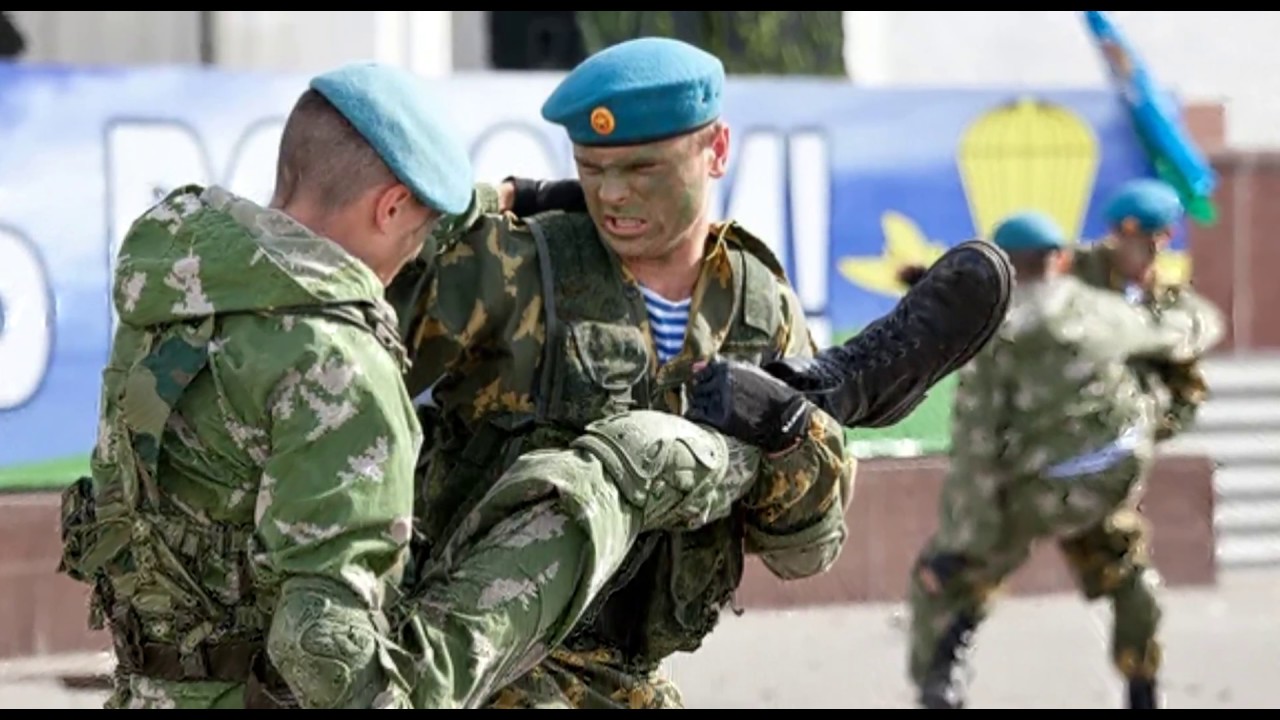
(534, 196)
(824, 381)
(744, 402)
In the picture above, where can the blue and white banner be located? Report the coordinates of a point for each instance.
(846, 183)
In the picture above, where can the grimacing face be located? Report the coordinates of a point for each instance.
(645, 199)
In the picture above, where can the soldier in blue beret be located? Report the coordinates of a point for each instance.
(633, 334)
(1028, 231)
(255, 390)
(1141, 216)
(1054, 427)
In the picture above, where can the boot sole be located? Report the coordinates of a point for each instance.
(1004, 273)
(997, 258)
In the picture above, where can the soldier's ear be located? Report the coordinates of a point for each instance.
(719, 148)
(395, 209)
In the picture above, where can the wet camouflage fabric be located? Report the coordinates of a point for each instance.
(1180, 385)
(253, 476)
(1057, 383)
(477, 334)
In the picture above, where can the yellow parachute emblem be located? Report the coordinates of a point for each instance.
(904, 244)
(1026, 155)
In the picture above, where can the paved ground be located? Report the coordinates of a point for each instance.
(1223, 652)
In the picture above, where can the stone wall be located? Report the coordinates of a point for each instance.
(892, 513)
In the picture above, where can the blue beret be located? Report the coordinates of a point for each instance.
(638, 91)
(1029, 230)
(402, 119)
(1147, 205)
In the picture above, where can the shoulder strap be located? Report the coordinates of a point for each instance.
(551, 319)
(570, 259)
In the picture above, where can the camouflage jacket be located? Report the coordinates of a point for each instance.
(1056, 383)
(1180, 387)
(483, 328)
(252, 482)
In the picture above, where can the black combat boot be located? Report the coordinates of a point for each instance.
(945, 685)
(1142, 695)
(878, 377)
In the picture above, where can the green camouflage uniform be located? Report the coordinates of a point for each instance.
(532, 341)
(250, 504)
(1053, 435)
(1182, 385)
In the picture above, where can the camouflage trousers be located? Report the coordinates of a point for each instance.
(520, 583)
(952, 588)
(501, 595)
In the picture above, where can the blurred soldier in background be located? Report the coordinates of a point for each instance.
(1053, 433)
(1142, 216)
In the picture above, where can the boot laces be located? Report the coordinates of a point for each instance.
(885, 342)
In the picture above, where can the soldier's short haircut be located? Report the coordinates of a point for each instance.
(324, 158)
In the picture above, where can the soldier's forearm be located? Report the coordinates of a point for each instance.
(796, 512)
(1200, 320)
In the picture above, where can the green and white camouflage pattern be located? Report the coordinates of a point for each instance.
(1063, 379)
(253, 476)
(516, 576)
(1182, 384)
(1054, 383)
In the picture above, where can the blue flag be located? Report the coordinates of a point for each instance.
(1156, 121)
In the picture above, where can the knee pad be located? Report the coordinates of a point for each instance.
(674, 470)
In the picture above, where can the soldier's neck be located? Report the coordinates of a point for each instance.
(343, 228)
(673, 275)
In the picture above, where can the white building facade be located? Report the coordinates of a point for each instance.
(1216, 56)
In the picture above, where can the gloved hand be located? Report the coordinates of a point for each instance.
(531, 197)
(744, 402)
